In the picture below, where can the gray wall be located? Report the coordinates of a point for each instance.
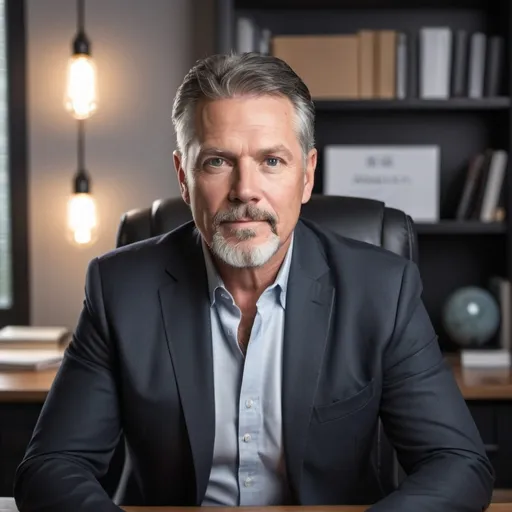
(142, 48)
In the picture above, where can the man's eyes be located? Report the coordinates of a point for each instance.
(216, 162)
(273, 161)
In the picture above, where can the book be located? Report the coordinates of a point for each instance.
(493, 186)
(245, 35)
(386, 64)
(435, 62)
(29, 360)
(401, 66)
(478, 197)
(485, 358)
(470, 187)
(500, 288)
(494, 66)
(367, 58)
(328, 64)
(460, 64)
(477, 59)
(33, 337)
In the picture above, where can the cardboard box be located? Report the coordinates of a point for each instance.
(328, 64)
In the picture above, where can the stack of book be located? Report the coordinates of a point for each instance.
(345, 66)
(435, 63)
(460, 64)
(32, 348)
(482, 197)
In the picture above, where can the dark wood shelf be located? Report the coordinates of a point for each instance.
(357, 4)
(499, 103)
(455, 227)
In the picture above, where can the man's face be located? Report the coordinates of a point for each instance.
(245, 179)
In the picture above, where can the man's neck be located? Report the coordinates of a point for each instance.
(247, 284)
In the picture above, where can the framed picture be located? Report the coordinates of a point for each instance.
(403, 177)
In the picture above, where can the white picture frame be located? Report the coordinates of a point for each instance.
(403, 177)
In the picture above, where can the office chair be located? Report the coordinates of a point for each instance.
(361, 219)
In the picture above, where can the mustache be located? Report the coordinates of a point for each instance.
(245, 211)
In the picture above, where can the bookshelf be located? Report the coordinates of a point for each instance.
(485, 104)
(455, 227)
(452, 253)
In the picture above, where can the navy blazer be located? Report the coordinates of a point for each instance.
(358, 345)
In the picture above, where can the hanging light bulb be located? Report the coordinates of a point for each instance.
(82, 215)
(81, 98)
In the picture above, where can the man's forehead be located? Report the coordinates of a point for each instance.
(264, 110)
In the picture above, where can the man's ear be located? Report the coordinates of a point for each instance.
(182, 176)
(309, 175)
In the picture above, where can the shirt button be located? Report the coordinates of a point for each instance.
(247, 438)
(248, 403)
(248, 482)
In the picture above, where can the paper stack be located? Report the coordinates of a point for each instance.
(20, 360)
(31, 347)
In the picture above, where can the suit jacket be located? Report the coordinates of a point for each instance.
(358, 345)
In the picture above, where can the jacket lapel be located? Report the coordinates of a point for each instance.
(186, 317)
(309, 307)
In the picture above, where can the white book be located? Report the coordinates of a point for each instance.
(493, 186)
(435, 62)
(485, 358)
(245, 35)
(265, 40)
(20, 360)
(23, 333)
(476, 73)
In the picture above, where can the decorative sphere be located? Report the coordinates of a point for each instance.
(471, 316)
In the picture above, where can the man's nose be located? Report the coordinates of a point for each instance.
(245, 186)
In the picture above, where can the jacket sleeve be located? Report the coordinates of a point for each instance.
(79, 425)
(427, 419)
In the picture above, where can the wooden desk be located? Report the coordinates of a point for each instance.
(488, 392)
(483, 384)
(7, 505)
(21, 387)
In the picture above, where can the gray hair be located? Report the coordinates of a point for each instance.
(234, 75)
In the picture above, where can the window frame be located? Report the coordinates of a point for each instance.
(15, 28)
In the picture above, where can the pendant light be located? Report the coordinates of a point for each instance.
(81, 88)
(82, 217)
(81, 102)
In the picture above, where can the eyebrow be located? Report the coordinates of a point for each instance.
(278, 149)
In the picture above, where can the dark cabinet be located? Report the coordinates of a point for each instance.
(17, 421)
(494, 421)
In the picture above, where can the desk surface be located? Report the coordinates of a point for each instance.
(493, 384)
(483, 384)
(7, 505)
(25, 386)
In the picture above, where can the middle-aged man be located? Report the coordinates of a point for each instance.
(247, 356)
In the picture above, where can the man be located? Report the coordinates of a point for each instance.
(248, 355)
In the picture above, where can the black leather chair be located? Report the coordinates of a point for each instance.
(361, 219)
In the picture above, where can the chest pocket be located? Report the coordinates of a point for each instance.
(338, 431)
(342, 408)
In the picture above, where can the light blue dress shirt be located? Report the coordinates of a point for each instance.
(248, 459)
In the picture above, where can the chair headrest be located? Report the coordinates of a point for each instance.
(362, 219)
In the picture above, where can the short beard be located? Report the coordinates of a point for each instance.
(234, 254)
